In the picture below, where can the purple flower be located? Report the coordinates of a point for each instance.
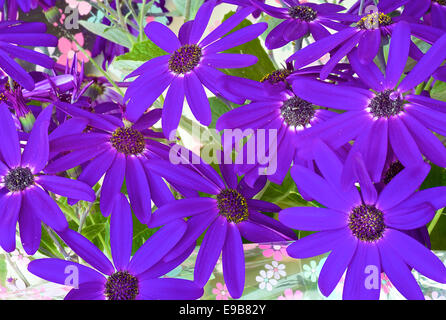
(16, 33)
(363, 230)
(189, 64)
(370, 32)
(390, 116)
(277, 118)
(25, 6)
(127, 278)
(232, 213)
(116, 149)
(301, 19)
(23, 186)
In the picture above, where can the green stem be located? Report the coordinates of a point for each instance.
(361, 7)
(434, 221)
(141, 21)
(428, 85)
(86, 212)
(420, 88)
(102, 71)
(16, 269)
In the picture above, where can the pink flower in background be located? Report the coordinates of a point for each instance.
(276, 251)
(221, 292)
(68, 48)
(386, 285)
(83, 6)
(289, 295)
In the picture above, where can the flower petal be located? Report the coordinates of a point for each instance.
(233, 260)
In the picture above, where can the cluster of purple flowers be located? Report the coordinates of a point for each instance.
(357, 137)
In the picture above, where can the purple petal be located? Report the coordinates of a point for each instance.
(403, 143)
(336, 263)
(10, 147)
(369, 73)
(184, 32)
(416, 255)
(256, 231)
(159, 191)
(162, 36)
(197, 99)
(15, 71)
(318, 31)
(148, 120)
(9, 210)
(59, 271)
(398, 272)
(180, 209)
(28, 55)
(313, 219)
(74, 159)
(157, 64)
(196, 225)
(96, 168)
(319, 48)
(263, 206)
(368, 190)
(78, 141)
(138, 189)
(409, 217)
(157, 246)
(112, 183)
(237, 38)
(330, 95)
(398, 51)
(355, 288)
(229, 60)
(272, 225)
(275, 38)
(46, 208)
(318, 188)
(438, 16)
(87, 251)
(210, 250)
(317, 243)
(67, 187)
(87, 291)
(426, 66)
(173, 106)
(368, 46)
(436, 197)
(402, 186)
(121, 226)
(226, 26)
(295, 30)
(169, 289)
(233, 260)
(70, 126)
(427, 142)
(30, 227)
(201, 21)
(429, 117)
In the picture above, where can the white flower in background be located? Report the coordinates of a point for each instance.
(311, 271)
(435, 296)
(266, 281)
(275, 270)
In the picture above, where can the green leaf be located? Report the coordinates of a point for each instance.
(140, 234)
(438, 92)
(435, 178)
(113, 34)
(68, 210)
(438, 235)
(218, 108)
(142, 51)
(47, 246)
(254, 47)
(92, 231)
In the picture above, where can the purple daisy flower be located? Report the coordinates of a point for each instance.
(116, 149)
(127, 278)
(301, 19)
(277, 118)
(25, 6)
(370, 32)
(243, 4)
(189, 64)
(16, 33)
(231, 214)
(363, 230)
(388, 116)
(23, 186)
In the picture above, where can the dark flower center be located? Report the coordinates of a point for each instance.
(121, 285)
(386, 105)
(304, 13)
(297, 112)
(18, 179)
(394, 168)
(232, 205)
(367, 223)
(65, 97)
(440, 2)
(374, 20)
(128, 141)
(185, 59)
(276, 76)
